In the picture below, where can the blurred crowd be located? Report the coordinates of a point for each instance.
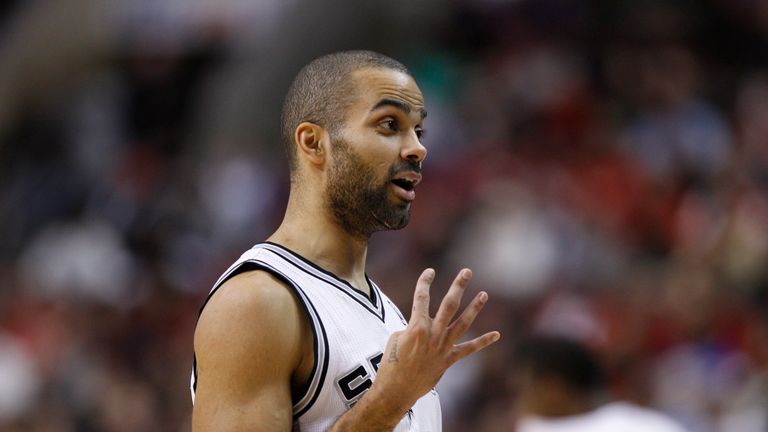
(602, 166)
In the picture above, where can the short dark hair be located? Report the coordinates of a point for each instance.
(323, 90)
(563, 359)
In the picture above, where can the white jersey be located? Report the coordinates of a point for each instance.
(612, 417)
(350, 331)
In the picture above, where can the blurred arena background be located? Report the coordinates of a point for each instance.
(602, 165)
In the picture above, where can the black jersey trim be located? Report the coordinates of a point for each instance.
(341, 283)
(308, 396)
(314, 384)
(372, 304)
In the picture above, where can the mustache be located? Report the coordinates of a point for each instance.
(405, 166)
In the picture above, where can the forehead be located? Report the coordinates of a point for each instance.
(373, 85)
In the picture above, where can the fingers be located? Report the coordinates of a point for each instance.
(420, 311)
(470, 347)
(460, 326)
(452, 300)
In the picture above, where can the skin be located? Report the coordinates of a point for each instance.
(548, 396)
(269, 354)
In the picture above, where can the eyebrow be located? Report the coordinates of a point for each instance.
(402, 106)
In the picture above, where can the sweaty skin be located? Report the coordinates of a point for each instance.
(269, 353)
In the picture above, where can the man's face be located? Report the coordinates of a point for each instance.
(376, 155)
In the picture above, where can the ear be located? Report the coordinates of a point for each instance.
(311, 142)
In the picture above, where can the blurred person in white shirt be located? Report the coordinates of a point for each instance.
(560, 386)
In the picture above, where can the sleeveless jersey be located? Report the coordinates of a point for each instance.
(350, 331)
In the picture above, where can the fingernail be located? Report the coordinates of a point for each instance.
(496, 336)
(466, 273)
(430, 273)
(483, 296)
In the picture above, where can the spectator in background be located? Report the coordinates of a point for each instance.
(560, 389)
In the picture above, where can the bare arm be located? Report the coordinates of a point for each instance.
(416, 358)
(248, 344)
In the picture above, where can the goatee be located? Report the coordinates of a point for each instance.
(357, 199)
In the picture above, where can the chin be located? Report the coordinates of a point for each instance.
(397, 220)
(402, 222)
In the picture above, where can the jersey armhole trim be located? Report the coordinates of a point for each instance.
(309, 393)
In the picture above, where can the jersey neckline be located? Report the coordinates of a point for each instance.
(372, 302)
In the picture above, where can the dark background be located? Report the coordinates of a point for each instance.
(601, 165)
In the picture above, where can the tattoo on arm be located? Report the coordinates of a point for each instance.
(393, 353)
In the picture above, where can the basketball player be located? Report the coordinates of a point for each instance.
(295, 334)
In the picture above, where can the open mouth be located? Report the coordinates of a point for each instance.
(404, 184)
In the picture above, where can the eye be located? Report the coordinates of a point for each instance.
(389, 124)
(420, 133)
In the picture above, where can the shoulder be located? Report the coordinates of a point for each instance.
(250, 313)
(250, 289)
(639, 417)
(248, 344)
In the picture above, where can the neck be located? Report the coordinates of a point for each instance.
(309, 230)
(558, 406)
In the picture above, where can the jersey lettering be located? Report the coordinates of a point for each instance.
(356, 382)
(376, 361)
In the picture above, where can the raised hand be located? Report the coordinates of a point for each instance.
(416, 358)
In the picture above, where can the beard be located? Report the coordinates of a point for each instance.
(358, 200)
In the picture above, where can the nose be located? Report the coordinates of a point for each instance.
(413, 149)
